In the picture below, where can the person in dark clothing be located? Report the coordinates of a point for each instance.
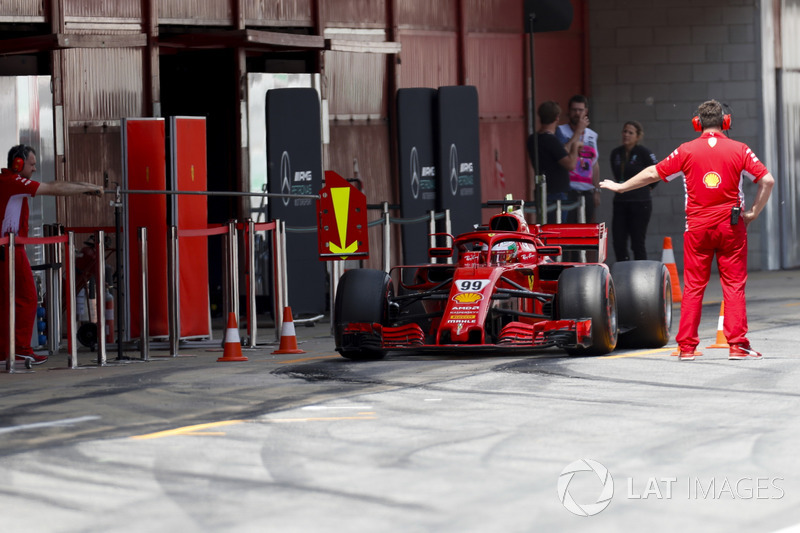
(632, 209)
(555, 162)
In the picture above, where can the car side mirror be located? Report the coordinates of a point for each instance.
(440, 252)
(551, 251)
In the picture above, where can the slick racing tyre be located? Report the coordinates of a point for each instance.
(588, 292)
(361, 297)
(644, 300)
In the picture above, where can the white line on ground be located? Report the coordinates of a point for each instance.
(791, 529)
(333, 407)
(64, 422)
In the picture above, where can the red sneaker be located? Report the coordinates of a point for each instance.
(741, 351)
(687, 354)
(33, 358)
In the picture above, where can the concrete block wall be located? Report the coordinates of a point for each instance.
(654, 62)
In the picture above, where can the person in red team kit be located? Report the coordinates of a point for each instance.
(16, 187)
(713, 168)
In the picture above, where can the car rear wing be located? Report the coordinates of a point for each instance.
(589, 237)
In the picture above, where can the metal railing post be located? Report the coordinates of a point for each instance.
(431, 229)
(337, 269)
(542, 182)
(558, 212)
(252, 315)
(233, 278)
(100, 300)
(144, 310)
(284, 268)
(277, 278)
(448, 228)
(53, 256)
(173, 290)
(387, 238)
(225, 277)
(582, 209)
(12, 349)
(582, 220)
(72, 303)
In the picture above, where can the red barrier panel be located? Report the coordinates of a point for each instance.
(144, 168)
(188, 137)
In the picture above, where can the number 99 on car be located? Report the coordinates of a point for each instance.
(472, 285)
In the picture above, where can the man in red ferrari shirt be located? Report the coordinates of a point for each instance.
(16, 187)
(713, 168)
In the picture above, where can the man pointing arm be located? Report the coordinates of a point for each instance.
(16, 186)
(713, 167)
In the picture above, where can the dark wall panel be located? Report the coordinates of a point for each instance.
(294, 166)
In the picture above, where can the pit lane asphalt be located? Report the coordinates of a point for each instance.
(313, 442)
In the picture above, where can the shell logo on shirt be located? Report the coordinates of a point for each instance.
(712, 180)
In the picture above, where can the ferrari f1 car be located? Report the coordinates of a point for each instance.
(506, 290)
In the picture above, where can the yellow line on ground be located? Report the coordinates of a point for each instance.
(659, 351)
(197, 430)
(186, 430)
(320, 419)
(308, 359)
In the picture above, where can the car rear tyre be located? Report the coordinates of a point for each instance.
(361, 297)
(588, 292)
(644, 299)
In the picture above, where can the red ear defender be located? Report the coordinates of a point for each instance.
(17, 164)
(698, 126)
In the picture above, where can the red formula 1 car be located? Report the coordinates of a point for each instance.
(506, 291)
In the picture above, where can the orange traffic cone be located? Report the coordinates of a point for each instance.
(288, 337)
(233, 345)
(722, 342)
(668, 258)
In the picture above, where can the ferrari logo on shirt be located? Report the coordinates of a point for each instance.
(712, 180)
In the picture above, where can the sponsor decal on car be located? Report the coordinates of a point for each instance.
(467, 297)
(471, 285)
(464, 309)
(462, 317)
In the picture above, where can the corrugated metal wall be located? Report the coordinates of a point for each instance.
(100, 87)
(19, 10)
(356, 85)
(367, 143)
(424, 14)
(788, 188)
(495, 66)
(278, 12)
(356, 14)
(501, 16)
(89, 11)
(289, 13)
(428, 58)
(359, 129)
(103, 84)
(195, 12)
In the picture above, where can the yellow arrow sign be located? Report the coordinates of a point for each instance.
(341, 210)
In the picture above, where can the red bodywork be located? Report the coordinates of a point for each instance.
(500, 290)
